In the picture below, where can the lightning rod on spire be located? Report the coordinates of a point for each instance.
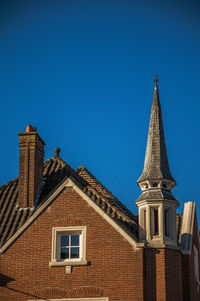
(156, 80)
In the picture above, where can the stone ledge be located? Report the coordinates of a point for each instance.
(68, 263)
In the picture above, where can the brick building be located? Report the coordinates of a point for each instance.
(64, 236)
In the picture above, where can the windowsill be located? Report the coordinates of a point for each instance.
(67, 263)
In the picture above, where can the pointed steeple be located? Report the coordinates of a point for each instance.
(156, 166)
(156, 204)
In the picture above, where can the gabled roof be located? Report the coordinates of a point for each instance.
(12, 218)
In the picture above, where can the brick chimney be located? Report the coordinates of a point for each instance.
(31, 158)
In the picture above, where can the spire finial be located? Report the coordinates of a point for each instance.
(156, 80)
(57, 152)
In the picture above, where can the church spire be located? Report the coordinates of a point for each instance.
(156, 166)
(156, 204)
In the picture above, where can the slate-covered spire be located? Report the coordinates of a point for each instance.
(156, 167)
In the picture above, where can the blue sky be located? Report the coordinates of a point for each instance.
(82, 72)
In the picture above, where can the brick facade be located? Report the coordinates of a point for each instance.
(115, 269)
(162, 276)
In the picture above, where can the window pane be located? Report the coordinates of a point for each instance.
(166, 222)
(74, 252)
(64, 253)
(64, 240)
(156, 222)
(75, 240)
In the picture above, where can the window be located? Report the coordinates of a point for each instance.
(167, 222)
(68, 246)
(155, 221)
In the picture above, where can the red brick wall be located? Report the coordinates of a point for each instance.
(190, 289)
(173, 275)
(162, 275)
(149, 256)
(115, 270)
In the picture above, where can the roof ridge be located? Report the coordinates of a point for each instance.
(57, 159)
(8, 183)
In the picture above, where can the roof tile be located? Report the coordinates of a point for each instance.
(55, 171)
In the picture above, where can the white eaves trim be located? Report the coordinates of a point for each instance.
(102, 213)
(68, 183)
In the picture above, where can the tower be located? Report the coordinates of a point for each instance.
(157, 206)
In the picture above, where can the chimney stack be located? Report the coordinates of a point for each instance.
(31, 158)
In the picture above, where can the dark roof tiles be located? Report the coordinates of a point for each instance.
(55, 171)
(94, 183)
(156, 194)
(11, 217)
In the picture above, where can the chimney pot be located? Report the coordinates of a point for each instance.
(28, 128)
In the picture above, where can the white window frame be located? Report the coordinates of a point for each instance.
(55, 253)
